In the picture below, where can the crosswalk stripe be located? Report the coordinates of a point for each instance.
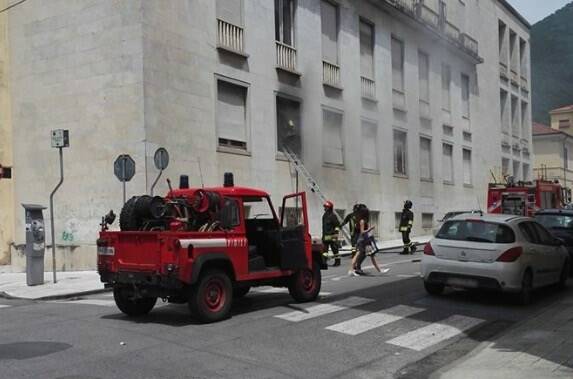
(374, 320)
(432, 334)
(100, 302)
(282, 290)
(324, 309)
(4, 306)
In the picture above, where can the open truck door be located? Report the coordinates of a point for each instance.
(294, 234)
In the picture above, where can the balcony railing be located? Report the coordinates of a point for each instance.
(368, 87)
(503, 71)
(230, 36)
(286, 56)
(451, 31)
(524, 83)
(514, 77)
(427, 14)
(469, 43)
(405, 5)
(330, 74)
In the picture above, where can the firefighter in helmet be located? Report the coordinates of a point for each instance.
(330, 230)
(406, 222)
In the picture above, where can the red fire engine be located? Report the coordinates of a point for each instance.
(525, 198)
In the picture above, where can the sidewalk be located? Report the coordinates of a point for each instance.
(69, 284)
(540, 347)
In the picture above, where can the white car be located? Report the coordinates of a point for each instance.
(498, 252)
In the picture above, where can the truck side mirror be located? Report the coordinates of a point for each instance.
(230, 214)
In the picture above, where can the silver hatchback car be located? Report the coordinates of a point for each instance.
(498, 252)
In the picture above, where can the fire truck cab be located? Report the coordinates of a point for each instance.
(524, 198)
(207, 246)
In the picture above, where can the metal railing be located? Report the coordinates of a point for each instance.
(524, 83)
(451, 31)
(503, 71)
(514, 77)
(286, 56)
(368, 87)
(230, 36)
(330, 74)
(469, 43)
(427, 14)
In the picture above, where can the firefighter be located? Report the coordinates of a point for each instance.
(406, 222)
(330, 230)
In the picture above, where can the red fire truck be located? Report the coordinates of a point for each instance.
(525, 198)
(206, 246)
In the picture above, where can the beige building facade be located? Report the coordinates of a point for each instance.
(384, 100)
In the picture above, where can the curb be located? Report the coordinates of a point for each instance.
(56, 297)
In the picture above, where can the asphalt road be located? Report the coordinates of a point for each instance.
(379, 326)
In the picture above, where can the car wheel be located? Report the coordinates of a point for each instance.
(239, 292)
(564, 275)
(434, 289)
(524, 296)
(304, 285)
(132, 307)
(211, 297)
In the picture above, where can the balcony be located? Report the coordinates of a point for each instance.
(424, 16)
(427, 14)
(524, 84)
(230, 37)
(368, 87)
(503, 71)
(331, 74)
(514, 77)
(286, 58)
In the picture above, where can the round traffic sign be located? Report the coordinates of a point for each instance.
(124, 168)
(161, 158)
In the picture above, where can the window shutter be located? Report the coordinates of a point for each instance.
(425, 158)
(467, 166)
(446, 79)
(366, 50)
(231, 101)
(332, 138)
(465, 96)
(423, 76)
(230, 11)
(328, 15)
(447, 163)
(397, 65)
(369, 144)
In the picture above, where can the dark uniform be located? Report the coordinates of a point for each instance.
(406, 222)
(330, 230)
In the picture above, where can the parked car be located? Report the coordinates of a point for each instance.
(496, 252)
(449, 215)
(560, 223)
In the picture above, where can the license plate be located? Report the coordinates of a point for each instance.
(459, 282)
(105, 250)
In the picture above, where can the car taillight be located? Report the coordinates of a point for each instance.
(511, 255)
(428, 250)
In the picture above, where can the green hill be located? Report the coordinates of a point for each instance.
(552, 63)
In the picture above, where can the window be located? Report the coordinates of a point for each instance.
(257, 208)
(446, 82)
(465, 96)
(231, 115)
(526, 172)
(292, 216)
(524, 119)
(332, 149)
(467, 157)
(512, 50)
(564, 124)
(448, 163)
(545, 237)
(427, 220)
(425, 158)
(397, 65)
(503, 53)
(369, 145)
(284, 21)
(288, 125)
(504, 167)
(523, 58)
(423, 76)
(230, 11)
(400, 153)
(329, 22)
(366, 49)
(528, 231)
(374, 221)
(504, 114)
(514, 116)
(397, 218)
(516, 165)
(476, 231)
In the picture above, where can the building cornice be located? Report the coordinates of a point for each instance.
(513, 11)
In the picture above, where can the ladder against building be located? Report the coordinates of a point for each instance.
(311, 183)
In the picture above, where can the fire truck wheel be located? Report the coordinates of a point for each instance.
(305, 284)
(211, 297)
(239, 292)
(127, 216)
(132, 307)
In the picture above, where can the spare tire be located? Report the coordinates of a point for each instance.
(127, 217)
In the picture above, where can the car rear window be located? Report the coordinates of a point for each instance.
(476, 231)
(555, 221)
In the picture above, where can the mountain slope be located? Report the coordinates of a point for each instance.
(552, 63)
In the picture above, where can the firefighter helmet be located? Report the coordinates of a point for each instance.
(328, 204)
(407, 204)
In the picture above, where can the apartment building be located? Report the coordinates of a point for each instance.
(383, 100)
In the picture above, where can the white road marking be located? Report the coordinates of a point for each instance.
(435, 333)
(339, 278)
(100, 302)
(407, 275)
(281, 290)
(324, 309)
(374, 320)
(4, 306)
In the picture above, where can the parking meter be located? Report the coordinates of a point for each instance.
(35, 244)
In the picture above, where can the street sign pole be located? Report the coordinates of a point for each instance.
(161, 161)
(123, 174)
(124, 170)
(52, 212)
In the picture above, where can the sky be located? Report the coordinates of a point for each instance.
(537, 10)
